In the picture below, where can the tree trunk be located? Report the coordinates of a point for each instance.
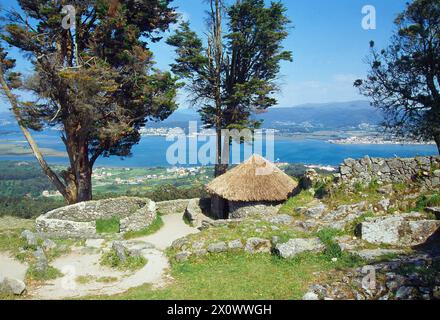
(80, 172)
(84, 175)
(220, 166)
(437, 141)
(68, 196)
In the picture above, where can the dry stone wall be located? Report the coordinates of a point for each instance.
(79, 220)
(425, 170)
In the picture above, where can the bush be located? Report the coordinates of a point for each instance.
(111, 259)
(27, 208)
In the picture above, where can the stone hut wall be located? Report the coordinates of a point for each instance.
(79, 220)
(245, 209)
(172, 206)
(425, 170)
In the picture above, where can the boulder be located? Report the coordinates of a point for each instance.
(136, 248)
(30, 237)
(198, 245)
(217, 247)
(386, 189)
(295, 246)
(132, 248)
(41, 262)
(257, 245)
(310, 296)
(280, 219)
(398, 230)
(235, 244)
(193, 212)
(373, 254)
(200, 252)
(49, 245)
(406, 293)
(316, 211)
(120, 250)
(12, 286)
(384, 204)
(180, 243)
(182, 256)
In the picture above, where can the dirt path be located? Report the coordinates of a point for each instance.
(10, 267)
(83, 263)
(174, 228)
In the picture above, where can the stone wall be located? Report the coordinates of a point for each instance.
(172, 206)
(425, 170)
(79, 220)
(247, 209)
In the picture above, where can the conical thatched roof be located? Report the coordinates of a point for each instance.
(256, 179)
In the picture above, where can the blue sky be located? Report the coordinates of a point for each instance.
(327, 40)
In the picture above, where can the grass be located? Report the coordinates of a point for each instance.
(110, 259)
(152, 228)
(238, 276)
(110, 225)
(87, 279)
(351, 227)
(245, 230)
(300, 200)
(428, 201)
(51, 273)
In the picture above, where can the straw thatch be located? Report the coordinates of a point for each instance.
(256, 179)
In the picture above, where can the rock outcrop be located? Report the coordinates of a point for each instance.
(424, 170)
(296, 246)
(400, 230)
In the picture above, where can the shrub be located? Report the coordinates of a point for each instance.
(111, 259)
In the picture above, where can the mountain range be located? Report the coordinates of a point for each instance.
(305, 117)
(302, 118)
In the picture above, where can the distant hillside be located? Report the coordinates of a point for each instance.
(307, 117)
(344, 115)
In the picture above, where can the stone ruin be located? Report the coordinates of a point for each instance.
(424, 170)
(79, 220)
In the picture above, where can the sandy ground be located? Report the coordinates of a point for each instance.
(9, 267)
(84, 262)
(174, 228)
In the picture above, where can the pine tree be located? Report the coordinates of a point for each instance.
(234, 76)
(95, 81)
(404, 78)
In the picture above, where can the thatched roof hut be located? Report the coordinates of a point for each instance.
(256, 181)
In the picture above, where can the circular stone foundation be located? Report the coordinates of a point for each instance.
(79, 220)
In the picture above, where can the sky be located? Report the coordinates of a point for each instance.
(328, 43)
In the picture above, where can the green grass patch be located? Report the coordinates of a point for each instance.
(51, 273)
(351, 227)
(424, 201)
(342, 194)
(238, 276)
(106, 279)
(152, 228)
(110, 225)
(84, 279)
(332, 249)
(110, 259)
(300, 200)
